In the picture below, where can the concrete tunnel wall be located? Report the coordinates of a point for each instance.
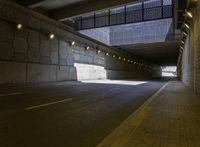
(190, 64)
(28, 56)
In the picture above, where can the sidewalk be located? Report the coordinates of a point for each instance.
(170, 118)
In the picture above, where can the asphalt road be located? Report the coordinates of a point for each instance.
(67, 114)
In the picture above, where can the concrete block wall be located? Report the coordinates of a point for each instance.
(29, 56)
(190, 64)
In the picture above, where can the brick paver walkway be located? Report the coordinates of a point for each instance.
(170, 119)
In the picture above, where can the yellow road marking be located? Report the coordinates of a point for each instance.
(47, 104)
(9, 94)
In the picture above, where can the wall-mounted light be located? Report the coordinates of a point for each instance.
(87, 47)
(99, 51)
(120, 58)
(72, 43)
(113, 56)
(51, 36)
(181, 47)
(182, 42)
(124, 59)
(186, 25)
(107, 54)
(19, 26)
(184, 33)
(128, 60)
(131, 61)
(189, 14)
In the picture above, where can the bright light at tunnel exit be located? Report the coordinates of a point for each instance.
(87, 73)
(169, 71)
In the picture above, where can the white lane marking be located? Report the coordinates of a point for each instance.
(47, 104)
(9, 94)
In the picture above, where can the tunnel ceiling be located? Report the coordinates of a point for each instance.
(159, 53)
(165, 54)
(63, 9)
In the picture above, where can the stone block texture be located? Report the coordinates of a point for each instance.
(29, 56)
(190, 66)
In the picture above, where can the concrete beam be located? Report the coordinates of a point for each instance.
(27, 3)
(69, 11)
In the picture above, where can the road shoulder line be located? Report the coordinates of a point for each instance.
(120, 135)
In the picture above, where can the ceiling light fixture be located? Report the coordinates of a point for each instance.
(19, 26)
(51, 36)
(99, 51)
(189, 14)
(72, 43)
(184, 33)
(186, 25)
(181, 47)
(87, 48)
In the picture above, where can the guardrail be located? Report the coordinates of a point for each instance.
(125, 17)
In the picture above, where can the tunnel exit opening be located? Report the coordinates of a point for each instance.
(169, 71)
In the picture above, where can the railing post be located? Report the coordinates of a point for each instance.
(162, 9)
(125, 14)
(81, 23)
(94, 20)
(142, 10)
(109, 14)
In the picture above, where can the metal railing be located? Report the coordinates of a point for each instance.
(128, 16)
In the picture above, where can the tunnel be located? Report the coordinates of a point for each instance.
(99, 73)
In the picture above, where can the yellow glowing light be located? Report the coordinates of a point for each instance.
(114, 56)
(181, 47)
(186, 25)
(119, 58)
(184, 33)
(51, 36)
(107, 54)
(182, 42)
(19, 26)
(87, 48)
(189, 14)
(98, 51)
(73, 43)
(124, 59)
